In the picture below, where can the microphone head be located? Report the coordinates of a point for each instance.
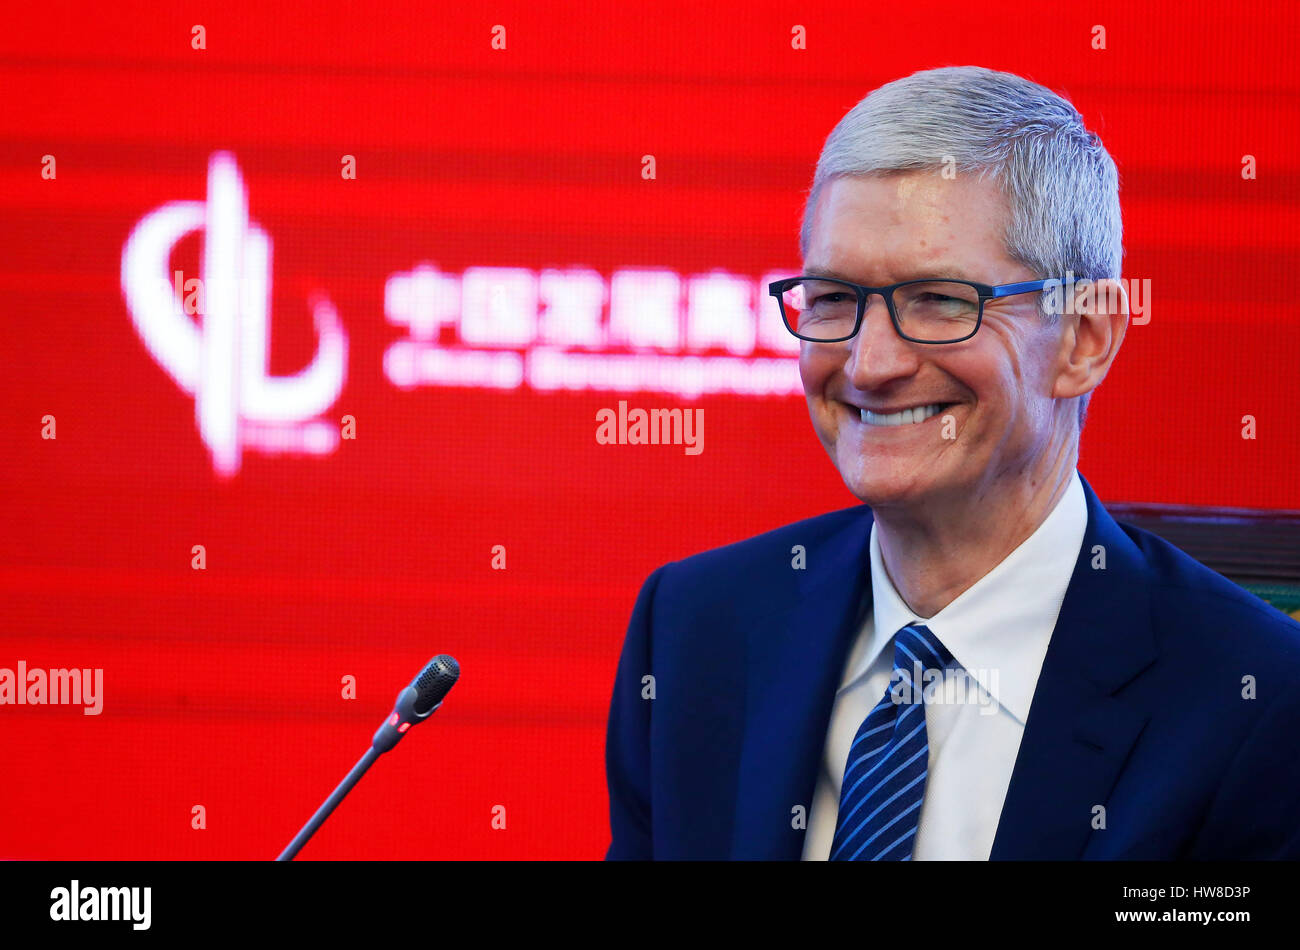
(435, 682)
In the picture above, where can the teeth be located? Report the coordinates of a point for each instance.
(904, 418)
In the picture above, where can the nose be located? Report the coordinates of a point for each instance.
(878, 354)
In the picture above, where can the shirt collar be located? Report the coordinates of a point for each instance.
(999, 628)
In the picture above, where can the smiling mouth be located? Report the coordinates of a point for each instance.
(904, 417)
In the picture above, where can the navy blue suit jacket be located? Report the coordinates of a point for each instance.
(1139, 706)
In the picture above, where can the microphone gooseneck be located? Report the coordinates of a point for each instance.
(414, 704)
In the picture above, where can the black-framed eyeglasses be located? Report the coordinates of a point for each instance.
(830, 310)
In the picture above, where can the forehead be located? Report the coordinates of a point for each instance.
(899, 225)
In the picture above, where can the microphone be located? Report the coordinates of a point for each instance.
(414, 704)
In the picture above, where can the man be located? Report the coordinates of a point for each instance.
(791, 695)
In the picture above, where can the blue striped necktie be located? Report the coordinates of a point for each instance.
(884, 778)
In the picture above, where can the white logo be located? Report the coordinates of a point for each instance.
(75, 902)
(223, 360)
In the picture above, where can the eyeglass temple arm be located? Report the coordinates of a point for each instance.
(1025, 286)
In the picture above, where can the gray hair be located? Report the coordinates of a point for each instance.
(1061, 184)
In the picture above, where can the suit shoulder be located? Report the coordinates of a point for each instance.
(763, 562)
(1195, 601)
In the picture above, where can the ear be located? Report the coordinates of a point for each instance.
(1092, 329)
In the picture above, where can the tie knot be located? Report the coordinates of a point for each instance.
(917, 648)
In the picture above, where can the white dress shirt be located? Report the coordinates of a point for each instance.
(997, 632)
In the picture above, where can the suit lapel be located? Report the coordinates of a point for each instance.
(1079, 732)
(794, 664)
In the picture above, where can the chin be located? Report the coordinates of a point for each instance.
(877, 486)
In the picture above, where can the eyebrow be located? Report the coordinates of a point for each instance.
(953, 273)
